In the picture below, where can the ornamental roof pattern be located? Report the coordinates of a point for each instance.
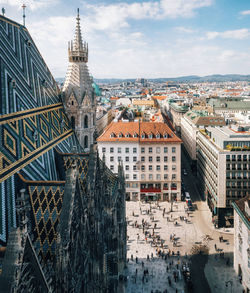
(156, 132)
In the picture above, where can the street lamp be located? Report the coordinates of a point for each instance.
(231, 283)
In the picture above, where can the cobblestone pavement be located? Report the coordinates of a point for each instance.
(191, 233)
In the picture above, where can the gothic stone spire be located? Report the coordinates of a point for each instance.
(78, 51)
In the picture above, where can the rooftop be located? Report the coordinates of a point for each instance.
(154, 132)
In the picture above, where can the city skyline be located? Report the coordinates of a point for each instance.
(151, 39)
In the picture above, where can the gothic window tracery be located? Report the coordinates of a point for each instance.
(86, 141)
(73, 122)
(86, 121)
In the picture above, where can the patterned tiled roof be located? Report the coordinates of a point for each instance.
(139, 131)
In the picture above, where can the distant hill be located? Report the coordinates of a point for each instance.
(181, 79)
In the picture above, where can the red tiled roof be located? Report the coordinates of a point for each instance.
(115, 128)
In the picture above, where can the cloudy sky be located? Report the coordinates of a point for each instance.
(147, 38)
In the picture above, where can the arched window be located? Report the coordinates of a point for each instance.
(86, 121)
(86, 143)
(73, 122)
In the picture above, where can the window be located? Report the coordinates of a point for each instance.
(135, 134)
(158, 159)
(150, 135)
(111, 167)
(165, 149)
(143, 159)
(165, 135)
(120, 134)
(150, 159)
(165, 176)
(127, 185)
(143, 135)
(173, 149)
(127, 176)
(143, 168)
(142, 150)
(127, 159)
(111, 159)
(173, 159)
(127, 135)
(112, 134)
(119, 159)
(104, 150)
(173, 176)
(150, 176)
(165, 159)
(142, 176)
(127, 167)
(158, 135)
(228, 157)
(158, 167)
(111, 150)
(134, 176)
(134, 150)
(86, 121)
(150, 167)
(165, 167)
(150, 150)
(158, 150)
(174, 167)
(134, 185)
(158, 176)
(126, 150)
(134, 168)
(134, 159)
(119, 150)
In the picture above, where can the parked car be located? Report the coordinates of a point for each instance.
(185, 172)
(187, 196)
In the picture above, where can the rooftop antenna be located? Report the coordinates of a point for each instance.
(23, 7)
(3, 11)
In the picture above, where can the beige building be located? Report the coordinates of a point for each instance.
(151, 157)
(242, 240)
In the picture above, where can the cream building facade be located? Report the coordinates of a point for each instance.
(151, 157)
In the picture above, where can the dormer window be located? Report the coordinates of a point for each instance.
(72, 103)
(150, 135)
(127, 135)
(143, 135)
(112, 134)
(135, 134)
(158, 135)
(120, 134)
(165, 135)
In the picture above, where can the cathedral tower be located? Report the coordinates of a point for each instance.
(78, 93)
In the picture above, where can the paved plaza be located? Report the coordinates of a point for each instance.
(184, 234)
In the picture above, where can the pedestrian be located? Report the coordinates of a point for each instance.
(215, 247)
(142, 264)
(136, 259)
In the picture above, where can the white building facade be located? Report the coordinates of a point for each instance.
(242, 241)
(151, 157)
(224, 171)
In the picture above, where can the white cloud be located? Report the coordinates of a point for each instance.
(116, 16)
(182, 29)
(245, 12)
(30, 4)
(239, 34)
